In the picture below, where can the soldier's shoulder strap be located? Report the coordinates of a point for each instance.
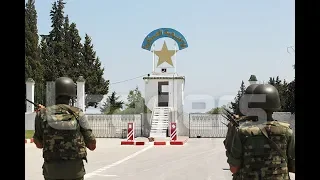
(272, 143)
(287, 125)
(72, 110)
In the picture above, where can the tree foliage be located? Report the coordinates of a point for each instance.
(33, 64)
(217, 110)
(290, 100)
(286, 92)
(61, 53)
(136, 103)
(112, 105)
(235, 105)
(96, 85)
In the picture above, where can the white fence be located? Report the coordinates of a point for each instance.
(212, 126)
(192, 125)
(115, 126)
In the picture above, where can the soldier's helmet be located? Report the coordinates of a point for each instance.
(243, 104)
(65, 86)
(266, 97)
(250, 89)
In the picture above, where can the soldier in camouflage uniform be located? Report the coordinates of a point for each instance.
(266, 149)
(229, 136)
(63, 133)
(232, 128)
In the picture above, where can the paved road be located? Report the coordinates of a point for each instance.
(199, 159)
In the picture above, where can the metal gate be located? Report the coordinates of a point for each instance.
(114, 126)
(207, 125)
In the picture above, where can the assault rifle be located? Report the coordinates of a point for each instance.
(35, 104)
(235, 121)
(38, 106)
(230, 117)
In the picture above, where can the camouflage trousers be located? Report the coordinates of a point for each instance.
(82, 178)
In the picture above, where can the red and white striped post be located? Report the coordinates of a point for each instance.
(173, 131)
(130, 136)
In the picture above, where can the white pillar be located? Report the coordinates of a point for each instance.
(30, 94)
(81, 93)
(176, 96)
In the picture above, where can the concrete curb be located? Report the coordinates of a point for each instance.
(179, 142)
(155, 143)
(28, 140)
(132, 143)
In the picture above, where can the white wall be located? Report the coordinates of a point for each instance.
(176, 98)
(176, 89)
(29, 120)
(151, 92)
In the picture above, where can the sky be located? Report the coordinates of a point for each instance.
(227, 40)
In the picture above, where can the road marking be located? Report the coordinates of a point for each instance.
(209, 152)
(167, 164)
(89, 175)
(105, 175)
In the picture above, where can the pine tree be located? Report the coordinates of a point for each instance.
(31, 41)
(77, 47)
(134, 97)
(62, 54)
(217, 110)
(136, 103)
(56, 40)
(46, 58)
(67, 46)
(73, 49)
(278, 81)
(112, 104)
(290, 100)
(235, 104)
(271, 81)
(33, 65)
(96, 85)
(282, 89)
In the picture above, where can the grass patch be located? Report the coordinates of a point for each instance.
(29, 134)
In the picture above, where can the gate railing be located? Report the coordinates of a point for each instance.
(211, 125)
(207, 125)
(114, 126)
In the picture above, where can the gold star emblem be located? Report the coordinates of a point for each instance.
(165, 54)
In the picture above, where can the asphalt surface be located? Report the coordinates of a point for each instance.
(198, 159)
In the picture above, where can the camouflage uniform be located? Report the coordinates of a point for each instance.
(232, 130)
(63, 132)
(252, 152)
(252, 148)
(231, 127)
(229, 136)
(64, 141)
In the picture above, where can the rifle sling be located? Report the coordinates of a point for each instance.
(273, 144)
(72, 112)
(69, 110)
